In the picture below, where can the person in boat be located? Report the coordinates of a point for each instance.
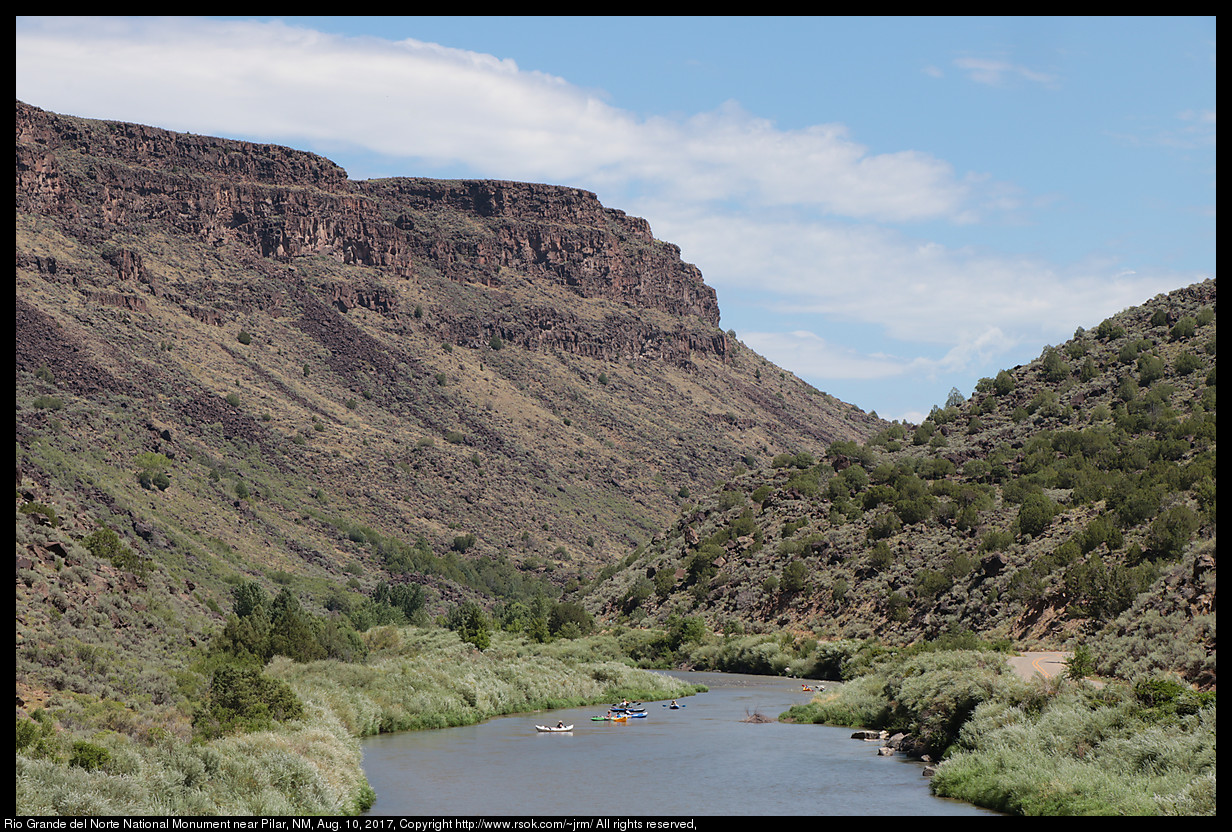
(674, 705)
(560, 724)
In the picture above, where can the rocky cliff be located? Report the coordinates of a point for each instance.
(284, 204)
(370, 364)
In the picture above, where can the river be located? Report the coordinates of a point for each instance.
(697, 761)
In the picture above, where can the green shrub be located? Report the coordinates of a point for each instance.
(1104, 590)
(1171, 532)
(881, 557)
(802, 460)
(36, 737)
(1109, 330)
(247, 598)
(915, 509)
(1186, 363)
(886, 524)
(1184, 328)
(1054, 367)
(152, 471)
(89, 756)
(569, 614)
(898, 607)
(471, 623)
(41, 510)
(105, 543)
(1081, 663)
(244, 699)
(1035, 514)
(1101, 530)
(1150, 370)
(795, 576)
(48, 403)
(664, 581)
(929, 583)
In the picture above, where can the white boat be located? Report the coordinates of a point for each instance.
(557, 730)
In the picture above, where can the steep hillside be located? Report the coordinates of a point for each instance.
(252, 368)
(1071, 498)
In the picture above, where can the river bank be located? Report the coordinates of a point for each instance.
(1038, 746)
(417, 678)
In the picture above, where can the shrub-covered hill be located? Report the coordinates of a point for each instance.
(1071, 499)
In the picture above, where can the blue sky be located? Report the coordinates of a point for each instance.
(888, 207)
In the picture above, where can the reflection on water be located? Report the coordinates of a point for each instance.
(703, 759)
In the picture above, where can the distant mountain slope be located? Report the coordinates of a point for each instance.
(1073, 497)
(248, 364)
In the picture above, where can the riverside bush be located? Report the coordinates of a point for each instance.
(418, 678)
(311, 768)
(430, 679)
(243, 699)
(859, 703)
(760, 654)
(1081, 752)
(1045, 747)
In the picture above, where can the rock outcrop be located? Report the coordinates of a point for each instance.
(285, 204)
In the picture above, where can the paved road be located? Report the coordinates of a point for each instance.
(1047, 665)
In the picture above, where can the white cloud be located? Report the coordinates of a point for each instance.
(419, 100)
(808, 354)
(975, 305)
(997, 72)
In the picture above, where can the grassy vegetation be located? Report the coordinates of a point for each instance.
(307, 760)
(1083, 752)
(311, 766)
(429, 678)
(1042, 747)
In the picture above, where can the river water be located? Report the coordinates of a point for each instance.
(700, 760)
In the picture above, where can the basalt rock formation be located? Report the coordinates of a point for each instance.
(340, 372)
(283, 204)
